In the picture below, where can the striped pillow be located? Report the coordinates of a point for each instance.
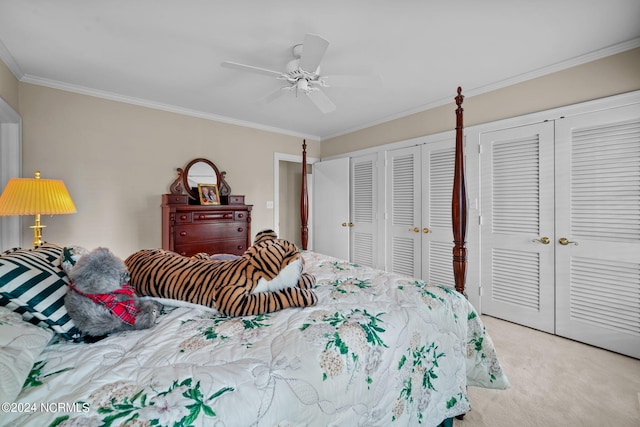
(33, 284)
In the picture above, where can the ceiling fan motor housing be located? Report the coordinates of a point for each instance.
(294, 74)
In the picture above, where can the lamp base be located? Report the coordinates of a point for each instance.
(37, 232)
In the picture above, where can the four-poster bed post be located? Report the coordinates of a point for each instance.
(458, 202)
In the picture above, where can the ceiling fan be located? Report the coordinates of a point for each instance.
(302, 74)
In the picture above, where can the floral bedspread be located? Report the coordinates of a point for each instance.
(378, 350)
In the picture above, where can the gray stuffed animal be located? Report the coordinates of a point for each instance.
(99, 299)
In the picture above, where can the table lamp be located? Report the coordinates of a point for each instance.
(35, 196)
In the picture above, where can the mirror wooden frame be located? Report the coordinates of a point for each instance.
(181, 183)
(185, 176)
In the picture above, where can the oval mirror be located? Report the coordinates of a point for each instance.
(199, 171)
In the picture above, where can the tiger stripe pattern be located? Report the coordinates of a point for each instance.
(227, 286)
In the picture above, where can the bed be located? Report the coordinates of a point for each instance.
(378, 349)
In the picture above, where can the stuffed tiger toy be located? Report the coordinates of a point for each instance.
(266, 278)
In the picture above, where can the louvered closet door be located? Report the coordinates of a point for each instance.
(517, 212)
(598, 208)
(437, 234)
(363, 210)
(403, 211)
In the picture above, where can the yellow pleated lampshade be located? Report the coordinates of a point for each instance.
(33, 196)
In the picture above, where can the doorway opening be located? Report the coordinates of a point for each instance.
(287, 190)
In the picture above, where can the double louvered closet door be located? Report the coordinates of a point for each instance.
(418, 211)
(560, 227)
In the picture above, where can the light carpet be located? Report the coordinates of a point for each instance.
(555, 382)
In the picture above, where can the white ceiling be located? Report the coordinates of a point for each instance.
(166, 53)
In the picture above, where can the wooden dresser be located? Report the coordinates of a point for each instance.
(188, 229)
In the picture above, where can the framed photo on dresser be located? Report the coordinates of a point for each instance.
(209, 194)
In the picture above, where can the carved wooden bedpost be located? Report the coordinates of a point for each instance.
(304, 200)
(459, 203)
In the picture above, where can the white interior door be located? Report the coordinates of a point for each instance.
(598, 209)
(403, 223)
(364, 205)
(517, 225)
(438, 160)
(331, 207)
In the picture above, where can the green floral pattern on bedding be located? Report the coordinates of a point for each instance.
(36, 376)
(347, 286)
(350, 339)
(213, 330)
(378, 349)
(180, 405)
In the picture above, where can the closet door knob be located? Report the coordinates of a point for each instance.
(344, 224)
(415, 229)
(426, 230)
(543, 240)
(564, 241)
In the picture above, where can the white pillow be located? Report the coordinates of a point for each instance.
(20, 345)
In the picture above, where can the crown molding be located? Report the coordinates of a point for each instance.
(112, 96)
(11, 63)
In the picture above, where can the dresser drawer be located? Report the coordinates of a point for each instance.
(236, 200)
(240, 216)
(176, 199)
(217, 231)
(231, 246)
(213, 216)
(184, 217)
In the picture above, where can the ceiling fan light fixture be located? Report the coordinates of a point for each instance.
(303, 85)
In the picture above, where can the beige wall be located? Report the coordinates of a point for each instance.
(613, 75)
(8, 86)
(117, 159)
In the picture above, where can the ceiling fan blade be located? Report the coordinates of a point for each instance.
(250, 69)
(365, 81)
(322, 101)
(272, 96)
(313, 50)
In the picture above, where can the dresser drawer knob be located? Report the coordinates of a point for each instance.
(183, 253)
(240, 248)
(202, 216)
(227, 216)
(240, 215)
(176, 199)
(240, 229)
(183, 233)
(183, 217)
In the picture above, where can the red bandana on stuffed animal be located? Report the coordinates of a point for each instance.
(125, 310)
